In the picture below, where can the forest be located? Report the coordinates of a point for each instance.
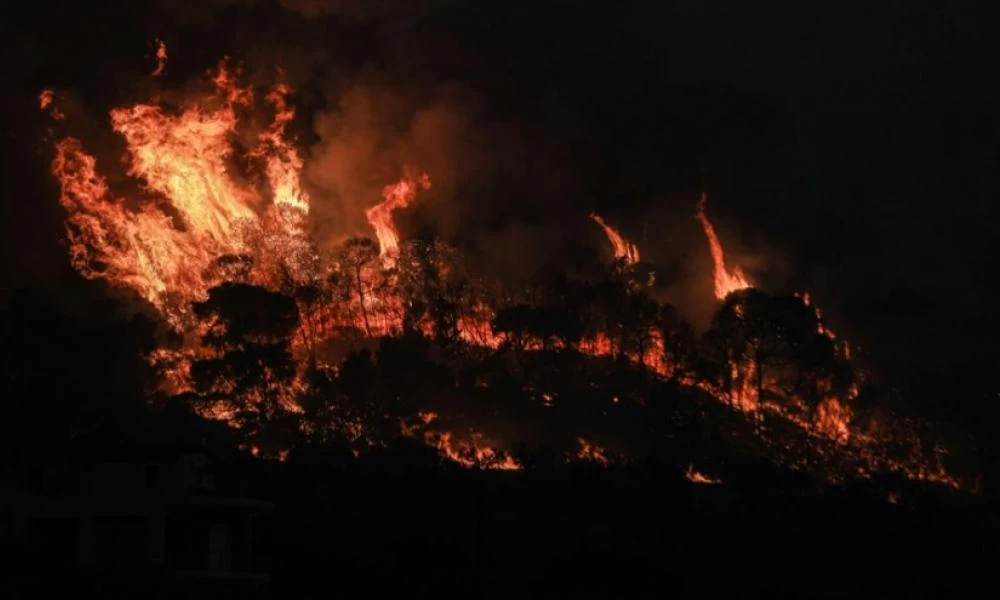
(496, 466)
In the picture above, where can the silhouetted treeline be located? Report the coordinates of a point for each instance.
(363, 509)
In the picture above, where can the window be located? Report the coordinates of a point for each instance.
(57, 539)
(152, 476)
(220, 546)
(187, 542)
(122, 541)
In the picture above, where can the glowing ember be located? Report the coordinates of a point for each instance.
(832, 420)
(591, 452)
(697, 477)
(45, 99)
(474, 453)
(161, 58)
(397, 195)
(623, 249)
(726, 281)
(475, 328)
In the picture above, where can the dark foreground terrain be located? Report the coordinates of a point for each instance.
(401, 522)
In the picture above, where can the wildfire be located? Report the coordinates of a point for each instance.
(623, 249)
(397, 195)
(181, 159)
(45, 99)
(832, 420)
(283, 163)
(697, 477)
(161, 59)
(473, 452)
(591, 452)
(726, 281)
(200, 222)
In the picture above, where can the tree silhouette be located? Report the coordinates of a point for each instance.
(312, 302)
(431, 281)
(250, 370)
(74, 376)
(358, 257)
(552, 326)
(680, 343)
(771, 345)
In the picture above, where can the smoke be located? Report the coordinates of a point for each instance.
(359, 10)
(507, 190)
(352, 11)
(522, 139)
(527, 117)
(373, 133)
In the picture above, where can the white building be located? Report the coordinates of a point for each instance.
(160, 522)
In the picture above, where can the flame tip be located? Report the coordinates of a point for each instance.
(623, 249)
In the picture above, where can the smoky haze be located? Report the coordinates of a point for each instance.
(528, 116)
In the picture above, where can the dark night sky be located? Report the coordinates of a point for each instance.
(849, 149)
(890, 184)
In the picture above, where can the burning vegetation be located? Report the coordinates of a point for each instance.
(386, 337)
(623, 249)
(726, 281)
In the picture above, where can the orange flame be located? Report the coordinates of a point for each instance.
(165, 255)
(161, 59)
(591, 452)
(623, 248)
(697, 477)
(472, 453)
(726, 281)
(45, 99)
(282, 159)
(833, 420)
(397, 195)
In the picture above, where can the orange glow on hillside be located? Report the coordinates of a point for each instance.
(698, 477)
(45, 99)
(202, 209)
(473, 451)
(589, 452)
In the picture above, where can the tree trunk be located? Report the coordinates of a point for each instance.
(760, 389)
(361, 296)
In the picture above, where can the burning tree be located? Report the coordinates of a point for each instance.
(431, 283)
(357, 261)
(770, 353)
